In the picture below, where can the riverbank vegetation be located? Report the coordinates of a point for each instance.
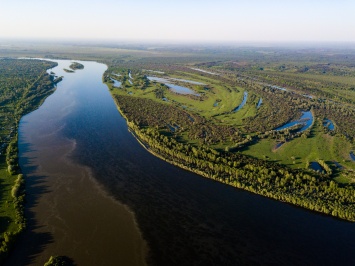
(24, 84)
(244, 148)
(59, 261)
(76, 65)
(286, 81)
(314, 191)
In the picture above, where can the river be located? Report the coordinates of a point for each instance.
(97, 196)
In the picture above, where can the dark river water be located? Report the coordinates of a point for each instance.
(96, 196)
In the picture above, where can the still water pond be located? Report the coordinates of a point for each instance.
(244, 101)
(93, 190)
(329, 124)
(352, 156)
(116, 83)
(176, 88)
(306, 120)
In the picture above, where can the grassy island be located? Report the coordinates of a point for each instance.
(24, 84)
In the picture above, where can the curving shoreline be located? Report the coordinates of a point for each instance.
(69, 212)
(161, 151)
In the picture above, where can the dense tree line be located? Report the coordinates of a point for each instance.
(284, 106)
(140, 81)
(76, 65)
(149, 113)
(343, 117)
(161, 133)
(17, 76)
(24, 84)
(279, 107)
(310, 190)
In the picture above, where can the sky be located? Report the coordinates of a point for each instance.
(180, 20)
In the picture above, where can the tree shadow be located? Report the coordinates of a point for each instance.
(4, 223)
(26, 162)
(62, 260)
(31, 242)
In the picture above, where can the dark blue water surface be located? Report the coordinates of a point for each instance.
(316, 167)
(244, 101)
(187, 219)
(306, 119)
(329, 124)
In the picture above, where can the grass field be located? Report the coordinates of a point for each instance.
(219, 99)
(296, 153)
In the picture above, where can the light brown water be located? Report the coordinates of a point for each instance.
(186, 219)
(69, 213)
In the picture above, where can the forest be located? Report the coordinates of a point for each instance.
(24, 84)
(76, 65)
(220, 113)
(226, 127)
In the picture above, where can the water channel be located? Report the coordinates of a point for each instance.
(94, 194)
(174, 87)
(352, 156)
(306, 120)
(244, 101)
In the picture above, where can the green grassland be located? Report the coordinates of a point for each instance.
(297, 152)
(219, 98)
(227, 97)
(238, 148)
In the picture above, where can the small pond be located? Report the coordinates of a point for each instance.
(130, 75)
(242, 104)
(352, 155)
(116, 83)
(306, 119)
(164, 80)
(173, 87)
(278, 145)
(328, 124)
(316, 167)
(279, 88)
(204, 71)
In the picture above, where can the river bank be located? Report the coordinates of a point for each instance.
(185, 219)
(242, 171)
(68, 211)
(39, 85)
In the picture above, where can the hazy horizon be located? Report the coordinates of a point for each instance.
(230, 22)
